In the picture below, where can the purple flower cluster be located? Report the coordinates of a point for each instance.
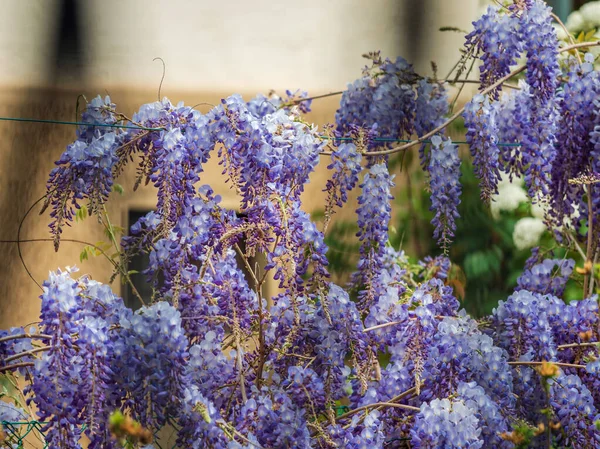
(84, 172)
(152, 351)
(272, 419)
(345, 167)
(446, 423)
(523, 326)
(500, 38)
(496, 38)
(574, 148)
(482, 136)
(374, 213)
(431, 107)
(383, 101)
(576, 412)
(540, 44)
(548, 277)
(444, 172)
(73, 381)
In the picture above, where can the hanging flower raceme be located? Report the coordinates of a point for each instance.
(538, 149)
(574, 148)
(512, 117)
(152, 353)
(374, 213)
(84, 172)
(382, 101)
(482, 136)
(345, 167)
(575, 411)
(78, 366)
(431, 107)
(540, 44)
(444, 183)
(496, 38)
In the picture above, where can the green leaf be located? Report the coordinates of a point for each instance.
(8, 388)
(118, 188)
(82, 213)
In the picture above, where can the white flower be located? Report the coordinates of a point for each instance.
(527, 232)
(591, 14)
(575, 21)
(510, 195)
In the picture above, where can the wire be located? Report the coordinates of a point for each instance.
(60, 122)
(108, 125)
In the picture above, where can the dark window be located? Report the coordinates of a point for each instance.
(139, 263)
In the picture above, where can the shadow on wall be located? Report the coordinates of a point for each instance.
(414, 31)
(27, 153)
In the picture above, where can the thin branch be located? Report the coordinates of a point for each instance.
(462, 86)
(316, 97)
(25, 335)
(576, 245)
(564, 365)
(588, 250)
(378, 405)
(246, 264)
(381, 326)
(560, 22)
(453, 81)
(19, 238)
(593, 278)
(403, 406)
(579, 345)
(15, 366)
(579, 45)
(120, 266)
(26, 353)
(393, 323)
(226, 427)
(82, 242)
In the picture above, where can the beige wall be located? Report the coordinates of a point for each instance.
(231, 45)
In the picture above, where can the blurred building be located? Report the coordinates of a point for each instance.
(52, 51)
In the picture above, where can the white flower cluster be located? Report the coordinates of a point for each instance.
(528, 230)
(584, 19)
(510, 195)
